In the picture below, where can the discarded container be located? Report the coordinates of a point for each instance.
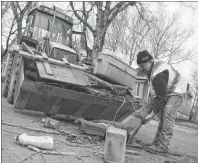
(115, 145)
(44, 142)
(109, 67)
(51, 123)
(131, 123)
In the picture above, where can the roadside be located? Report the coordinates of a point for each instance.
(187, 124)
(87, 148)
(182, 127)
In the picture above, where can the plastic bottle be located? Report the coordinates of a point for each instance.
(44, 142)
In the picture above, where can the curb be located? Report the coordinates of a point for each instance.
(179, 128)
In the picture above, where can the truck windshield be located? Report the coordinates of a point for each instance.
(43, 26)
(59, 54)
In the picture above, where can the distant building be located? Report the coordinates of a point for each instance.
(184, 111)
(141, 90)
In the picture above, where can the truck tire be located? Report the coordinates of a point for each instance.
(8, 76)
(10, 97)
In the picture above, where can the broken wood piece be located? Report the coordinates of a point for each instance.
(44, 55)
(40, 58)
(100, 81)
(51, 152)
(33, 148)
(112, 123)
(47, 66)
(51, 123)
(92, 128)
(132, 152)
(59, 153)
(26, 48)
(29, 128)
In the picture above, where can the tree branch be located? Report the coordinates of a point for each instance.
(14, 10)
(114, 13)
(16, 30)
(5, 9)
(80, 18)
(118, 5)
(139, 12)
(26, 7)
(18, 6)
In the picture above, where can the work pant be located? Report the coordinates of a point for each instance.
(167, 120)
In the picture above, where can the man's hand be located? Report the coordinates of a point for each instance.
(149, 117)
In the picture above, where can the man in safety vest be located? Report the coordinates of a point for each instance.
(167, 87)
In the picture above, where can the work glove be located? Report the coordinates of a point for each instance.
(149, 117)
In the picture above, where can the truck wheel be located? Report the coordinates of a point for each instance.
(8, 76)
(15, 73)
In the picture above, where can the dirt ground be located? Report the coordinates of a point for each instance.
(88, 149)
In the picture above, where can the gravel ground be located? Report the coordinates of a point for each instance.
(91, 148)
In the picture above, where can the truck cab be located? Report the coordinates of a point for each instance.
(52, 30)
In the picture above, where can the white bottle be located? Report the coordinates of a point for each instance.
(44, 142)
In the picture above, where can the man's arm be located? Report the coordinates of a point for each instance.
(160, 83)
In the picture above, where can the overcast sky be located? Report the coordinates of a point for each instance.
(188, 19)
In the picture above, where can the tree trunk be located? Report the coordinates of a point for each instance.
(19, 33)
(98, 43)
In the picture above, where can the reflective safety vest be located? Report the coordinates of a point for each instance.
(177, 85)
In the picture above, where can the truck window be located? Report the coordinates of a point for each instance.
(59, 54)
(43, 25)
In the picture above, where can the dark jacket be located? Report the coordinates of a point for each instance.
(160, 83)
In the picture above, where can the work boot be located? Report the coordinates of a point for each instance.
(156, 149)
(153, 143)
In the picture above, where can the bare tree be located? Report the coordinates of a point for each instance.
(128, 33)
(117, 31)
(19, 14)
(12, 24)
(195, 86)
(138, 31)
(191, 5)
(5, 5)
(11, 32)
(167, 39)
(105, 13)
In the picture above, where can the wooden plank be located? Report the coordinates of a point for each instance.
(44, 55)
(19, 78)
(101, 81)
(92, 128)
(26, 48)
(48, 68)
(50, 60)
(63, 74)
